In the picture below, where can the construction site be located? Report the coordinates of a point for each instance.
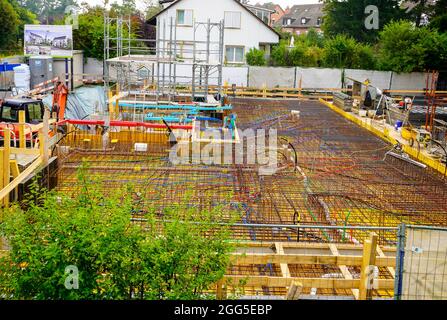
(349, 187)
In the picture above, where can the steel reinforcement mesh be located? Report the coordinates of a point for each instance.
(343, 179)
(340, 177)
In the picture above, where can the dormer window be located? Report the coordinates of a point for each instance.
(287, 21)
(303, 20)
(319, 20)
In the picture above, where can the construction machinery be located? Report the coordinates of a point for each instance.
(34, 109)
(412, 135)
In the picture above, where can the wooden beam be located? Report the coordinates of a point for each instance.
(369, 261)
(25, 173)
(22, 136)
(344, 270)
(322, 283)
(283, 266)
(5, 162)
(308, 245)
(345, 260)
(391, 270)
(295, 290)
(221, 291)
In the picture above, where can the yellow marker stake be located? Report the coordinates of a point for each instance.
(22, 137)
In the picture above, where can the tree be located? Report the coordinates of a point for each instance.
(152, 7)
(338, 51)
(25, 17)
(9, 26)
(176, 254)
(279, 55)
(128, 7)
(47, 11)
(406, 48)
(89, 36)
(348, 17)
(255, 57)
(439, 16)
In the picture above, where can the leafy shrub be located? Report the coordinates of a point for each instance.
(255, 57)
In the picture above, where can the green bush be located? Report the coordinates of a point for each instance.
(177, 253)
(9, 26)
(255, 57)
(405, 48)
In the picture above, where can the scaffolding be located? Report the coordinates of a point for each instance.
(156, 70)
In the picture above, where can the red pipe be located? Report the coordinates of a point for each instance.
(115, 123)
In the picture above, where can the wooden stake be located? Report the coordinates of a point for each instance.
(295, 290)
(22, 137)
(5, 163)
(369, 261)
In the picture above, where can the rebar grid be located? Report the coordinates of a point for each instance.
(346, 180)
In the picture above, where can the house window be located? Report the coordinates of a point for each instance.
(303, 20)
(184, 17)
(319, 21)
(232, 19)
(234, 54)
(287, 21)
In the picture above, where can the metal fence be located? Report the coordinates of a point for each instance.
(421, 265)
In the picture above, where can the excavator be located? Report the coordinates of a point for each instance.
(34, 112)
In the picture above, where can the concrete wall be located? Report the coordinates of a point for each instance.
(318, 78)
(380, 79)
(315, 78)
(78, 67)
(271, 77)
(235, 75)
(93, 66)
(408, 81)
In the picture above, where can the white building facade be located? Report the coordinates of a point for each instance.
(243, 29)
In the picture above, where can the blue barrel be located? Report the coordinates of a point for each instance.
(398, 124)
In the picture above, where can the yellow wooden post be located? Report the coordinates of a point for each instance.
(22, 137)
(221, 292)
(5, 162)
(264, 91)
(110, 96)
(15, 172)
(295, 290)
(369, 261)
(43, 138)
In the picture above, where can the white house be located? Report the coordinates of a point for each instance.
(243, 29)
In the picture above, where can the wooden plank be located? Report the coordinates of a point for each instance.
(254, 258)
(308, 245)
(391, 270)
(295, 290)
(344, 270)
(321, 283)
(22, 136)
(5, 162)
(369, 261)
(14, 183)
(283, 266)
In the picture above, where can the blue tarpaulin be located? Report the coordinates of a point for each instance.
(8, 66)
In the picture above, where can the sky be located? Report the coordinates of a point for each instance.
(283, 3)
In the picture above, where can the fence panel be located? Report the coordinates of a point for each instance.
(424, 274)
